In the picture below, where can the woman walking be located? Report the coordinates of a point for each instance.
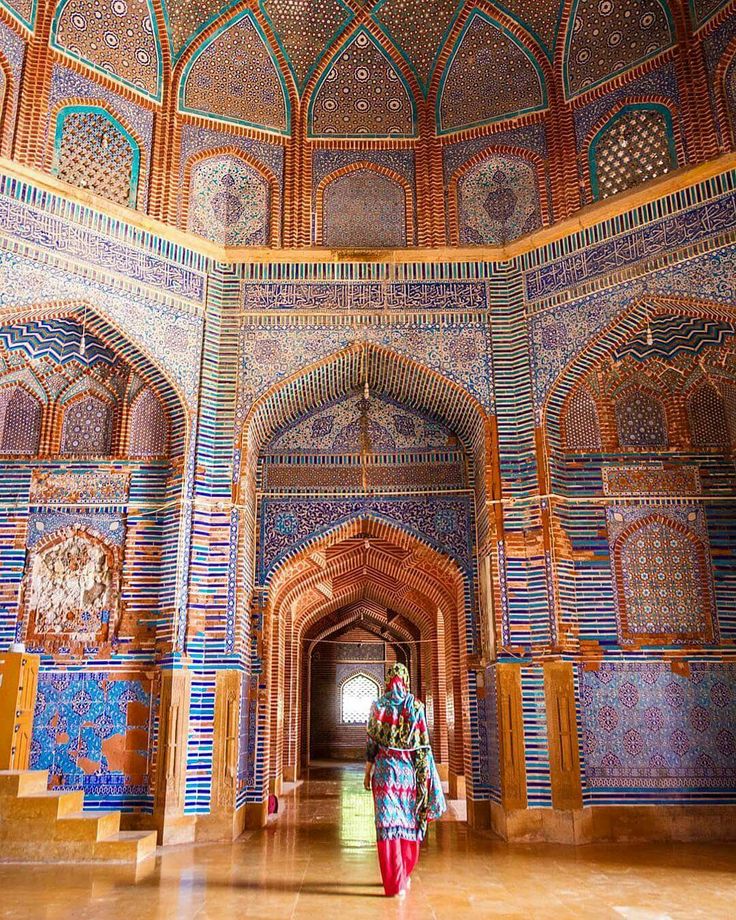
(407, 793)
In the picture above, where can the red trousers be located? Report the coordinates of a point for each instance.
(397, 859)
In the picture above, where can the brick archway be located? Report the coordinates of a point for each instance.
(389, 569)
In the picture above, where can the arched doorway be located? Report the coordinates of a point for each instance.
(367, 478)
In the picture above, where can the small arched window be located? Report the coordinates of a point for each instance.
(708, 422)
(636, 145)
(580, 422)
(641, 420)
(93, 151)
(149, 426)
(20, 422)
(356, 696)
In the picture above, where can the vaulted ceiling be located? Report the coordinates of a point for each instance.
(355, 123)
(362, 68)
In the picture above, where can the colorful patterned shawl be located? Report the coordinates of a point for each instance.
(397, 721)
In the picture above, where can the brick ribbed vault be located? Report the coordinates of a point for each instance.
(387, 374)
(367, 572)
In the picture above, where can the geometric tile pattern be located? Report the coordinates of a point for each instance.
(489, 76)
(20, 421)
(117, 36)
(95, 155)
(662, 573)
(702, 10)
(94, 732)
(229, 202)
(362, 93)
(580, 422)
(669, 335)
(234, 77)
(498, 201)
(364, 209)
(57, 339)
(707, 414)
(542, 19)
(635, 148)
(646, 726)
(640, 420)
(608, 36)
(186, 17)
(24, 9)
(87, 428)
(305, 28)
(149, 426)
(337, 428)
(418, 28)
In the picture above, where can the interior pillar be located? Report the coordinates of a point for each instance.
(168, 811)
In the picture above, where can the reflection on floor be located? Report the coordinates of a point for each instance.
(317, 861)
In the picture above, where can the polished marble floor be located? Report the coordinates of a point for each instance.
(317, 862)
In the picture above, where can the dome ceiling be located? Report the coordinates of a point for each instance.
(364, 124)
(462, 64)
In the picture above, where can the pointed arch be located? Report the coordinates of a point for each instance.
(641, 419)
(396, 570)
(351, 107)
(257, 97)
(530, 197)
(112, 338)
(149, 426)
(486, 56)
(586, 67)
(399, 217)
(298, 45)
(635, 141)
(96, 149)
(676, 603)
(20, 421)
(633, 321)
(580, 424)
(122, 43)
(419, 30)
(386, 371)
(706, 411)
(270, 230)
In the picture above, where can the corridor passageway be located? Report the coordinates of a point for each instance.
(317, 860)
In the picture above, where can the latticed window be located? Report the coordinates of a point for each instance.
(20, 422)
(356, 697)
(635, 147)
(87, 428)
(93, 153)
(581, 427)
(149, 427)
(708, 422)
(641, 420)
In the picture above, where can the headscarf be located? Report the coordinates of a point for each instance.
(397, 721)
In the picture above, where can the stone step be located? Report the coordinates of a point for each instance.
(126, 846)
(42, 827)
(88, 825)
(23, 782)
(130, 847)
(44, 806)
